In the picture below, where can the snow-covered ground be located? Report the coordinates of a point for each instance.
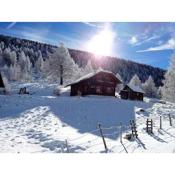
(42, 122)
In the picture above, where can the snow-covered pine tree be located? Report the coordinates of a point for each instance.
(13, 58)
(159, 92)
(12, 73)
(6, 56)
(25, 65)
(39, 63)
(135, 81)
(150, 88)
(2, 45)
(5, 70)
(46, 69)
(61, 57)
(168, 90)
(28, 69)
(88, 68)
(18, 72)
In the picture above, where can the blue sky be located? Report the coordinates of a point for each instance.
(149, 43)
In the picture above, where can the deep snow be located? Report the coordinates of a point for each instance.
(41, 122)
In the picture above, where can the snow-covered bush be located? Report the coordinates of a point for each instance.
(57, 91)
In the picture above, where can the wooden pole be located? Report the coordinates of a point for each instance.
(152, 126)
(121, 132)
(160, 122)
(104, 142)
(67, 146)
(61, 74)
(170, 120)
(147, 125)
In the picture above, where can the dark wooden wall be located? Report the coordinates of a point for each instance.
(1, 82)
(100, 84)
(128, 93)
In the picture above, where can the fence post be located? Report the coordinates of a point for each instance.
(133, 128)
(121, 132)
(152, 126)
(104, 142)
(149, 126)
(67, 146)
(146, 125)
(170, 120)
(160, 122)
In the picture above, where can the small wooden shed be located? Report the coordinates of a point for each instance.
(100, 82)
(132, 92)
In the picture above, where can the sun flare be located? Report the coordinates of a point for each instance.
(102, 42)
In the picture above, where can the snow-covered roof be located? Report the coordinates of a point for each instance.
(91, 75)
(136, 88)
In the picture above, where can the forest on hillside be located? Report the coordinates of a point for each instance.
(31, 55)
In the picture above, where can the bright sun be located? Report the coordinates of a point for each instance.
(102, 43)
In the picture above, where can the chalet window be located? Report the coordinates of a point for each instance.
(93, 87)
(98, 90)
(107, 78)
(109, 89)
(79, 93)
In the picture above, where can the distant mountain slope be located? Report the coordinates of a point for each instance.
(124, 67)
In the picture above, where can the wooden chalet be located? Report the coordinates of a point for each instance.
(132, 93)
(98, 83)
(2, 85)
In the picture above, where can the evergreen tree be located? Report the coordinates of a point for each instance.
(135, 81)
(13, 58)
(25, 66)
(6, 56)
(61, 58)
(88, 68)
(150, 88)
(12, 73)
(39, 63)
(159, 92)
(168, 90)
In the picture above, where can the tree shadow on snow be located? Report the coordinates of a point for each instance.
(84, 113)
(81, 113)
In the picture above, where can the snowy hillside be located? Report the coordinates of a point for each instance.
(42, 122)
